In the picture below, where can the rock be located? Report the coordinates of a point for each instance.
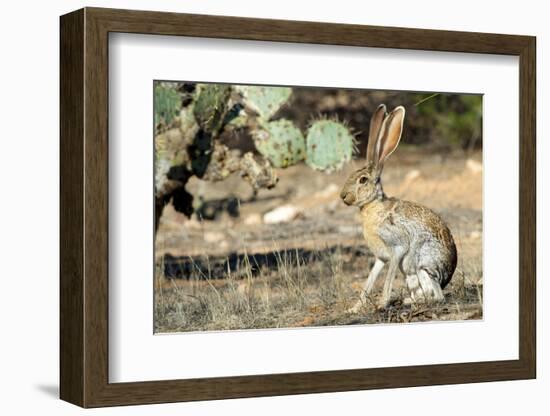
(213, 236)
(253, 219)
(351, 230)
(193, 224)
(330, 191)
(474, 166)
(333, 205)
(475, 235)
(284, 213)
(411, 176)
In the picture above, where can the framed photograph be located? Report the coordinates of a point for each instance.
(263, 207)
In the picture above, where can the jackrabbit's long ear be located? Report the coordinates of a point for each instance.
(390, 134)
(374, 130)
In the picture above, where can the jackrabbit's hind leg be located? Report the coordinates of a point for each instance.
(424, 288)
(413, 284)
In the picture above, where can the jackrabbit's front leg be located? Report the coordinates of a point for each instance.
(368, 285)
(390, 276)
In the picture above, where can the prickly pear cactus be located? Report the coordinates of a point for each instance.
(191, 122)
(171, 148)
(167, 104)
(211, 105)
(330, 144)
(265, 101)
(281, 142)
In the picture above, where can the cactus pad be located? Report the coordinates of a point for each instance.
(330, 144)
(211, 106)
(167, 104)
(281, 142)
(265, 101)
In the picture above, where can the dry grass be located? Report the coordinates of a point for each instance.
(296, 292)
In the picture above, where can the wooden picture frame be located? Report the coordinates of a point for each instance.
(84, 207)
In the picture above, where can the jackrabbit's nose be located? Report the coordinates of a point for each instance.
(347, 197)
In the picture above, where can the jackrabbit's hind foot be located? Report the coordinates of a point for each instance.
(424, 290)
(420, 298)
(408, 301)
(383, 304)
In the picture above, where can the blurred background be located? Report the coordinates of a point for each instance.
(437, 121)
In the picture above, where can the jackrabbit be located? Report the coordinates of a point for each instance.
(408, 236)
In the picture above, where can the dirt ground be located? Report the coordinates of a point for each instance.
(294, 255)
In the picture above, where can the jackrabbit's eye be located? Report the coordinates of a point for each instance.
(363, 180)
